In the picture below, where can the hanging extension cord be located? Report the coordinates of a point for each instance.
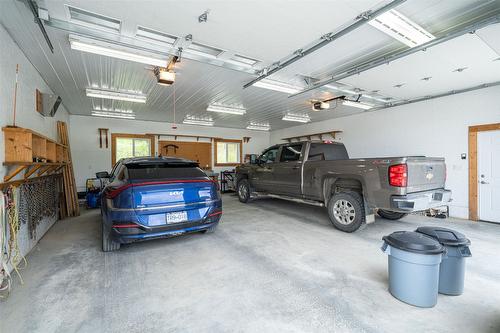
(5, 278)
(15, 257)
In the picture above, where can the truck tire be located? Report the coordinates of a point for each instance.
(108, 244)
(387, 214)
(346, 211)
(210, 230)
(244, 190)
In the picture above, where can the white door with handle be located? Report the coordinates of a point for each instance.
(488, 152)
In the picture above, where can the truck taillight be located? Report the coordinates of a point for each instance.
(398, 175)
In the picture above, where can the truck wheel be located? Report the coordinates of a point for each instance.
(243, 190)
(346, 211)
(108, 244)
(387, 214)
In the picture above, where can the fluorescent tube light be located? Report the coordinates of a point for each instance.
(117, 95)
(198, 121)
(259, 127)
(401, 28)
(112, 115)
(114, 51)
(357, 105)
(277, 86)
(300, 118)
(226, 109)
(119, 111)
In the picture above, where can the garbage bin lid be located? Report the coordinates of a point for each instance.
(445, 236)
(414, 242)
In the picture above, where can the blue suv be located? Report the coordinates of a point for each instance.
(156, 197)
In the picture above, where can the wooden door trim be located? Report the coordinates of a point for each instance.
(473, 188)
(114, 136)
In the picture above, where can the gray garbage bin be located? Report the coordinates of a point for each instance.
(413, 267)
(452, 268)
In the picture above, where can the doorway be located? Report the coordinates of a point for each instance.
(488, 152)
(484, 172)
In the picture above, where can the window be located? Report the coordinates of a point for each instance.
(131, 145)
(227, 152)
(269, 156)
(291, 153)
(327, 151)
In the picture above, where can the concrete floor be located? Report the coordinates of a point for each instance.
(272, 266)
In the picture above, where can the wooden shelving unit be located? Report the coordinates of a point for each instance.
(32, 152)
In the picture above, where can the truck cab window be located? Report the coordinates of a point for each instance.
(327, 152)
(269, 156)
(291, 153)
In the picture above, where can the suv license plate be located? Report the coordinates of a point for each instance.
(176, 217)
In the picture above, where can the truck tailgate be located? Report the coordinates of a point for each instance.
(425, 173)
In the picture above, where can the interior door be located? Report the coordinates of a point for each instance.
(488, 145)
(288, 171)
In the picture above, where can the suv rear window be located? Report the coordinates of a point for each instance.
(327, 152)
(163, 171)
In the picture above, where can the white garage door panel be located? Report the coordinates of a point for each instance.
(437, 62)
(489, 175)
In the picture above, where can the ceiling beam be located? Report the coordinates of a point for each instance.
(386, 59)
(326, 39)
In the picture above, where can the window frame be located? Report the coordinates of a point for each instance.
(301, 154)
(216, 141)
(115, 136)
(278, 154)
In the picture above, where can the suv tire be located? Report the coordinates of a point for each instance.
(387, 214)
(346, 211)
(243, 190)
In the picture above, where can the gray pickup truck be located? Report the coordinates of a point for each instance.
(321, 173)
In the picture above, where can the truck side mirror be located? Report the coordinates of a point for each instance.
(102, 174)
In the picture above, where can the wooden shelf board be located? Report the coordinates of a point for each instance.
(27, 130)
(32, 163)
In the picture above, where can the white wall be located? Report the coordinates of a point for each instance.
(88, 158)
(29, 80)
(436, 127)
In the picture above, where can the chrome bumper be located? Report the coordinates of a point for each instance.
(415, 202)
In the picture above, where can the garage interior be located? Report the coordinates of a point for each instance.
(88, 83)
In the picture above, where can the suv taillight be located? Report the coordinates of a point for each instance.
(398, 175)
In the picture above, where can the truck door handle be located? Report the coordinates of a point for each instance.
(483, 182)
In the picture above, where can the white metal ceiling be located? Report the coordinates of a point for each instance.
(264, 30)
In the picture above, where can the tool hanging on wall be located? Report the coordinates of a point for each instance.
(103, 132)
(5, 278)
(14, 256)
(15, 97)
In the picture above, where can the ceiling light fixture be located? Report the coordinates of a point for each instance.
(401, 28)
(216, 107)
(277, 86)
(198, 121)
(164, 77)
(115, 51)
(357, 104)
(112, 115)
(99, 109)
(116, 95)
(300, 118)
(259, 127)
